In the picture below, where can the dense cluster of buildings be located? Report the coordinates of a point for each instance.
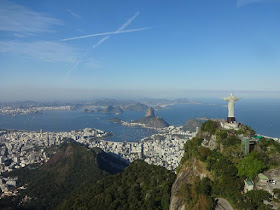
(9, 110)
(165, 148)
(21, 148)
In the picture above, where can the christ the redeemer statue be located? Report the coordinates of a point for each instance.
(231, 99)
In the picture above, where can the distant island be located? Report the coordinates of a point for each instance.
(116, 109)
(115, 120)
(203, 118)
(107, 109)
(149, 121)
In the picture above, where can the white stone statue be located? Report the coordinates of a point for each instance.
(231, 99)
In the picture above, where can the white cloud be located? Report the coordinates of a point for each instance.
(21, 20)
(43, 50)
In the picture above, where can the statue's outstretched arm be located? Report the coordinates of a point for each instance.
(225, 98)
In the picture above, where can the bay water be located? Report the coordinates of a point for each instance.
(262, 115)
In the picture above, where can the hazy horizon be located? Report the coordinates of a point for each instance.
(55, 94)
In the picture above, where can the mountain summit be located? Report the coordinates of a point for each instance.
(150, 112)
(151, 120)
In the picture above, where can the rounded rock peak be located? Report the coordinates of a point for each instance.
(150, 112)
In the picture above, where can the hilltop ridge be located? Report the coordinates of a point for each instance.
(213, 166)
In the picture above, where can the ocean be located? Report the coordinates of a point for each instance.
(262, 115)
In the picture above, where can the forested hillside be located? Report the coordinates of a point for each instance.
(216, 171)
(140, 186)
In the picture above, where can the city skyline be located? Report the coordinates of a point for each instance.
(69, 50)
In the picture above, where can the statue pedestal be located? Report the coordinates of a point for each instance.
(230, 125)
(230, 119)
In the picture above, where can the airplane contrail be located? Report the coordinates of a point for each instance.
(128, 21)
(101, 41)
(118, 30)
(107, 33)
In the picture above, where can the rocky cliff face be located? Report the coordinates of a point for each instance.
(189, 170)
(150, 112)
(186, 176)
(176, 202)
(210, 141)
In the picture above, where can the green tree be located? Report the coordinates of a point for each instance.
(246, 130)
(209, 126)
(234, 153)
(228, 186)
(139, 186)
(190, 148)
(231, 141)
(221, 134)
(203, 153)
(205, 187)
(223, 167)
(256, 198)
(251, 166)
(204, 203)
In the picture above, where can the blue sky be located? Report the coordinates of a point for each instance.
(157, 48)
